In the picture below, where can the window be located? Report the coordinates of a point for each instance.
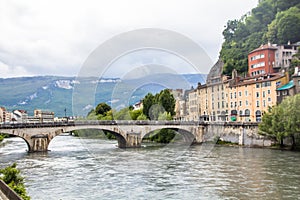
(257, 103)
(222, 104)
(240, 103)
(268, 83)
(269, 99)
(240, 94)
(257, 94)
(257, 85)
(269, 91)
(264, 103)
(284, 92)
(264, 94)
(299, 82)
(258, 116)
(246, 93)
(230, 95)
(235, 104)
(247, 112)
(234, 94)
(246, 103)
(231, 104)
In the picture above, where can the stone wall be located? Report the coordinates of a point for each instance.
(9, 193)
(236, 132)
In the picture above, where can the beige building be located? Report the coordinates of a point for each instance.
(44, 116)
(231, 99)
(249, 98)
(212, 96)
(193, 111)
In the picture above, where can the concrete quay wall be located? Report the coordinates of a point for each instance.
(242, 133)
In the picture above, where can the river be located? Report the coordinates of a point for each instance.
(96, 169)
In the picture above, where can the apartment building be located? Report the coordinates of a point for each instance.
(250, 97)
(270, 58)
(291, 88)
(2, 114)
(43, 116)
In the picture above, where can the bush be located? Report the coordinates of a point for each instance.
(11, 176)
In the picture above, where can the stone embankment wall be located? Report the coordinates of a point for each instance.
(9, 193)
(242, 133)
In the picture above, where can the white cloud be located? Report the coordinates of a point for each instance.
(12, 71)
(55, 37)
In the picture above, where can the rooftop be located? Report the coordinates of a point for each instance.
(287, 86)
(266, 46)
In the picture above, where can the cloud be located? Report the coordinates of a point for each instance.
(55, 37)
(12, 71)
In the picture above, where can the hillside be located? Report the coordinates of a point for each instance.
(56, 93)
(275, 21)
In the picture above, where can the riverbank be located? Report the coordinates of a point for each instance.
(273, 147)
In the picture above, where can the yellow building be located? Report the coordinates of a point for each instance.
(212, 96)
(249, 98)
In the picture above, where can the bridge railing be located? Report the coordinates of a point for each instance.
(121, 122)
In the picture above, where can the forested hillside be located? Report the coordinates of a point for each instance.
(275, 21)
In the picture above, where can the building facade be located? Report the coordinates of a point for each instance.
(44, 116)
(270, 58)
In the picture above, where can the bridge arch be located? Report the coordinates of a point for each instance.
(120, 138)
(188, 136)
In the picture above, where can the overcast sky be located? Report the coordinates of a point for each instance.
(56, 37)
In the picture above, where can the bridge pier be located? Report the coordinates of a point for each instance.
(133, 140)
(38, 143)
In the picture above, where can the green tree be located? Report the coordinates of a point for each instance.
(282, 120)
(162, 102)
(142, 117)
(12, 177)
(122, 114)
(285, 26)
(102, 108)
(134, 114)
(148, 101)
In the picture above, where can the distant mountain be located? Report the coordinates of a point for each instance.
(59, 93)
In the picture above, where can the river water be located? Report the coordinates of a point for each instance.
(96, 169)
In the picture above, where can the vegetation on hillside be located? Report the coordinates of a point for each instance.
(283, 121)
(12, 177)
(275, 21)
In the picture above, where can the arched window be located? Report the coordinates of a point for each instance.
(247, 112)
(258, 115)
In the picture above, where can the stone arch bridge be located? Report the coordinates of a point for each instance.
(128, 133)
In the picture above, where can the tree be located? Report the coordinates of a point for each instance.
(102, 108)
(167, 101)
(11, 176)
(285, 27)
(148, 101)
(282, 120)
(162, 102)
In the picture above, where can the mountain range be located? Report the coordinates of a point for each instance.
(79, 95)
